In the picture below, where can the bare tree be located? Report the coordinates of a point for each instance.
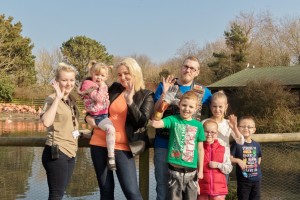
(46, 63)
(291, 37)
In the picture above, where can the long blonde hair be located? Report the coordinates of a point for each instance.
(135, 71)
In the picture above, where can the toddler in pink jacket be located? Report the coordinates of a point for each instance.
(94, 92)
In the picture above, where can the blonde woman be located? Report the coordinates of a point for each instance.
(60, 116)
(130, 109)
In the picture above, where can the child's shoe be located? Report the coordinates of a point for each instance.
(111, 164)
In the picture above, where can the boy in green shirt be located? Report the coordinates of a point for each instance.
(185, 149)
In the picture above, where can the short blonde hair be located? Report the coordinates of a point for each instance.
(190, 95)
(193, 58)
(66, 68)
(135, 71)
(210, 121)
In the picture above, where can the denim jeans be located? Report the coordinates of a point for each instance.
(161, 173)
(58, 171)
(182, 185)
(126, 173)
(99, 118)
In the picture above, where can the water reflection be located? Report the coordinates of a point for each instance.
(23, 175)
(16, 167)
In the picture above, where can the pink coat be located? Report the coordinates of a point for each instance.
(95, 98)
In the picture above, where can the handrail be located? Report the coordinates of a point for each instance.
(84, 142)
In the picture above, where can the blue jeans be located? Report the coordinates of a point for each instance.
(126, 173)
(99, 118)
(161, 168)
(58, 171)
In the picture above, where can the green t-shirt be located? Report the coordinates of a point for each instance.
(183, 141)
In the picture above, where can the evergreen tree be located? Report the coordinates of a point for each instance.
(234, 59)
(16, 59)
(79, 50)
(237, 42)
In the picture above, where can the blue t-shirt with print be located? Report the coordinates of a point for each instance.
(249, 153)
(159, 141)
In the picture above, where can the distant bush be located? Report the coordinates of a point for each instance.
(32, 92)
(6, 90)
(275, 108)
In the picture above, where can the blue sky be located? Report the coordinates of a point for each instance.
(125, 27)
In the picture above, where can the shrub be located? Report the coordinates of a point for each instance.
(273, 106)
(232, 193)
(33, 92)
(6, 90)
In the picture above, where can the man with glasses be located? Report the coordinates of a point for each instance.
(189, 70)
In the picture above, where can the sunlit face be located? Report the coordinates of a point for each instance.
(66, 81)
(218, 107)
(99, 77)
(246, 127)
(211, 132)
(124, 77)
(187, 107)
(189, 70)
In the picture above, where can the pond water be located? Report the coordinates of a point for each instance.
(23, 176)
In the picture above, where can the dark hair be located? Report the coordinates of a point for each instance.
(247, 117)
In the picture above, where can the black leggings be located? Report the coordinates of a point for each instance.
(58, 171)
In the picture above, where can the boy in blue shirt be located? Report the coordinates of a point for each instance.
(248, 159)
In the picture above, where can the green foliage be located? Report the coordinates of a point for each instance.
(236, 39)
(272, 106)
(80, 50)
(232, 193)
(16, 59)
(6, 90)
(227, 63)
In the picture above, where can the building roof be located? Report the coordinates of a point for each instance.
(288, 76)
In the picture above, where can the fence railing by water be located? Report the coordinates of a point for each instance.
(280, 163)
(35, 102)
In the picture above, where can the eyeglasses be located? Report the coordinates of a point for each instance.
(192, 69)
(210, 132)
(246, 127)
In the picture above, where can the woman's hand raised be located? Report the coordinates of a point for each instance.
(59, 93)
(129, 92)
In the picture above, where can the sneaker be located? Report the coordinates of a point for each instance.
(111, 164)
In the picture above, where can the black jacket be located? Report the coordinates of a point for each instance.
(139, 112)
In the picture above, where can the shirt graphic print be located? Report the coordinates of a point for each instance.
(184, 142)
(249, 158)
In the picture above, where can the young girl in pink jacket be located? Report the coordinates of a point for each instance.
(94, 93)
